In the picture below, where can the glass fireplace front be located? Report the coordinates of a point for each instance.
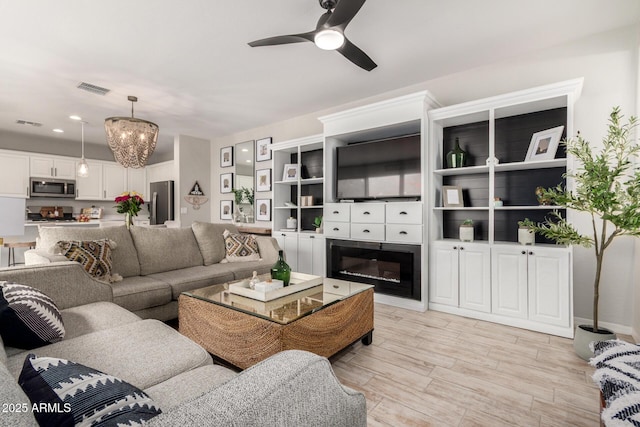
(393, 269)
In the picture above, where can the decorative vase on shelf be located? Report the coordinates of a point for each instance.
(526, 236)
(457, 157)
(466, 231)
(281, 269)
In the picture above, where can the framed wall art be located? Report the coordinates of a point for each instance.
(544, 144)
(226, 209)
(226, 182)
(226, 156)
(290, 172)
(263, 180)
(452, 196)
(263, 210)
(263, 149)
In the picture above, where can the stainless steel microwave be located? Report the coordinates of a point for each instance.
(54, 188)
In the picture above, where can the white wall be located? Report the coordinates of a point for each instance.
(192, 161)
(609, 64)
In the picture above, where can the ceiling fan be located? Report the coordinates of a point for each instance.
(329, 32)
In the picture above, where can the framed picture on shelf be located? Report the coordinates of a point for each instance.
(290, 172)
(263, 180)
(452, 196)
(226, 209)
(226, 156)
(226, 182)
(263, 210)
(544, 144)
(263, 149)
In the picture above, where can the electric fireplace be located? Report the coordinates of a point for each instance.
(393, 269)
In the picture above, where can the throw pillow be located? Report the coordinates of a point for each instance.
(78, 395)
(28, 318)
(240, 247)
(93, 255)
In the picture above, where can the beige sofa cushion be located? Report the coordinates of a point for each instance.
(140, 292)
(188, 279)
(210, 240)
(165, 249)
(124, 256)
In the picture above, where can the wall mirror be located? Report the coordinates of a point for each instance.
(244, 191)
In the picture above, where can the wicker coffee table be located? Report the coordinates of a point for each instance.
(241, 331)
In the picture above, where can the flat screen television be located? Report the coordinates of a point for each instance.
(385, 169)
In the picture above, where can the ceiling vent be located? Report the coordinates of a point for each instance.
(93, 88)
(28, 123)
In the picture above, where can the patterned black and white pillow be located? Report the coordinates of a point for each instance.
(240, 247)
(75, 394)
(28, 318)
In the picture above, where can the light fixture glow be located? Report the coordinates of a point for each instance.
(248, 161)
(83, 167)
(57, 130)
(329, 39)
(131, 140)
(74, 117)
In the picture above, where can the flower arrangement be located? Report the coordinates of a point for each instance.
(129, 203)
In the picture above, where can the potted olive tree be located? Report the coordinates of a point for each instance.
(608, 189)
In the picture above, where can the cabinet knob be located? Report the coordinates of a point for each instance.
(403, 232)
(336, 212)
(312, 237)
(336, 229)
(336, 287)
(366, 213)
(461, 248)
(366, 231)
(403, 213)
(455, 247)
(524, 252)
(530, 252)
(283, 235)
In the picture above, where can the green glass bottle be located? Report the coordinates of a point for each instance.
(457, 157)
(281, 269)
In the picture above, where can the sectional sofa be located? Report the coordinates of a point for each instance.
(156, 264)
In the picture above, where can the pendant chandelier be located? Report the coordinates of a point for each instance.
(131, 140)
(83, 167)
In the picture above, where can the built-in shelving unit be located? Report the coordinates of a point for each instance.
(494, 278)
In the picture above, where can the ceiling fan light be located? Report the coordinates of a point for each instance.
(329, 39)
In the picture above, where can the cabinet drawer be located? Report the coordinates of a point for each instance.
(404, 213)
(336, 287)
(367, 231)
(404, 233)
(368, 213)
(336, 229)
(338, 212)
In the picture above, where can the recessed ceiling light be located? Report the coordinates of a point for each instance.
(74, 117)
(245, 150)
(248, 161)
(58, 130)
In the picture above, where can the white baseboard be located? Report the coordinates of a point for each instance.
(409, 304)
(636, 335)
(619, 329)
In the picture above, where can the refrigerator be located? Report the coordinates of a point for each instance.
(161, 202)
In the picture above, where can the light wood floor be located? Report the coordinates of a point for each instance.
(438, 369)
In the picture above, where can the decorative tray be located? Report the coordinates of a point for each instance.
(266, 306)
(299, 282)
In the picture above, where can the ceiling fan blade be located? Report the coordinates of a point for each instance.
(344, 13)
(354, 54)
(293, 38)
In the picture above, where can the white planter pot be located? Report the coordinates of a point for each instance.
(292, 223)
(466, 233)
(526, 236)
(585, 335)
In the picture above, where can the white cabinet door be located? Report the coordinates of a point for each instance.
(509, 281)
(14, 175)
(90, 187)
(64, 168)
(52, 167)
(311, 254)
(137, 181)
(475, 277)
(549, 286)
(288, 242)
(114, 180)
(443, 283)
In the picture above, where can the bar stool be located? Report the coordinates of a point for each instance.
(12, 246)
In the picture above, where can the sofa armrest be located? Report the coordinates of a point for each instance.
(268, 247)
(40, 256)
(65, 282)
(291, 388)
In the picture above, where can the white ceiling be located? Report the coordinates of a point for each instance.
(189, 64)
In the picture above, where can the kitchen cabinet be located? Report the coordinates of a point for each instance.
(114, 180)
(461, 275)
(137, 181)
(14, 175)
(52, 167)
(90, 187)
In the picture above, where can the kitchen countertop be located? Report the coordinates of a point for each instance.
(93, 222)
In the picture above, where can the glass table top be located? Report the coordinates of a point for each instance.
(286, 309)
